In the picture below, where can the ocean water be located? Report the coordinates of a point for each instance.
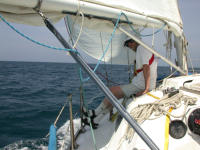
(33, 93)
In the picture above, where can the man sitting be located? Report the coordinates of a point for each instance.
(143, 81)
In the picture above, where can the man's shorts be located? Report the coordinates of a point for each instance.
(129, 89)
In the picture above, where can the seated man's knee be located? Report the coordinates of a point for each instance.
(112, 88)
(116, 90)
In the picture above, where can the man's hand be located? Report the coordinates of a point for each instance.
(141, 93)
(146, 73)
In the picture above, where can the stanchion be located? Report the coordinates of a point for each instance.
(73, 142)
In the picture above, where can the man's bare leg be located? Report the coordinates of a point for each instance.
(105, 105)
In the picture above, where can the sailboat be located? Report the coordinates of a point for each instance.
(167, 117)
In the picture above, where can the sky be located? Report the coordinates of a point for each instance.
(16, 48)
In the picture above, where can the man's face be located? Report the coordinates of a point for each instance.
(133, 45)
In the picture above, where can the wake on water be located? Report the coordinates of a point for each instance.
(63, 139)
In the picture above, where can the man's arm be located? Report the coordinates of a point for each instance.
(146, 73)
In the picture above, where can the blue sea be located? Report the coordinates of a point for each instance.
(33, 93)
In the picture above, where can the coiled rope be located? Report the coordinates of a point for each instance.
(160, 108)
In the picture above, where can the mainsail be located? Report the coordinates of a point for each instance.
(141, 13)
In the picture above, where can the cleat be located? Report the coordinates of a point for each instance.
(92, 116)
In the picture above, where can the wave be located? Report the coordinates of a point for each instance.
(63, 139)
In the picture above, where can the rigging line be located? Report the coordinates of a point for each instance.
(152, 50)
(153, 38)
(82, 15)
(129, 67)
(67, 28)
(92, 132)
(86, 106)
(70, 31)
(95, 97)
(111, 61)
(82, 21)
(143, 35)
(167, 76)
(104, 89)
(57, 118)
(112, 35)
(76, 89)
(59, 114)
(105, 68)
(34, 41)
(168, 46)
(169, 40)
(107, 47)
(190, 61)
(81, 29)
(105, 77)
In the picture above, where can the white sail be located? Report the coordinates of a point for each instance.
(141, 12)
(95, 42)
(154, 13)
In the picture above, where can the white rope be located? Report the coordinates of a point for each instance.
(68, 29)
(81, 29)
(91, 100)
(59, 114)
(58, 117)
(167, 76)
(79, 12)
(158, 109)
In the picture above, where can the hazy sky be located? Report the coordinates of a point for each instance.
(16, 48)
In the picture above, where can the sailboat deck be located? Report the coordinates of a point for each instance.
(107, 138)
(102, 135)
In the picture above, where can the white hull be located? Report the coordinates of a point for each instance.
(108, 139)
